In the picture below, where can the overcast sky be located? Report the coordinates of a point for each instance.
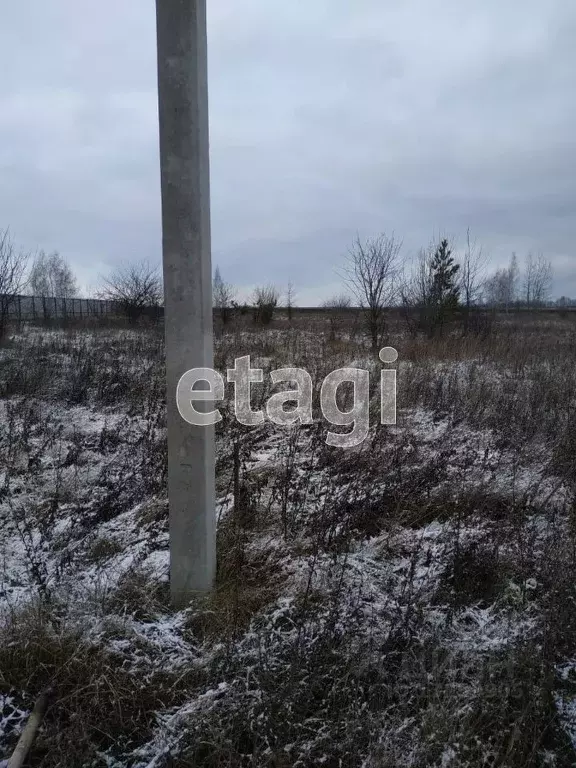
(327, 117)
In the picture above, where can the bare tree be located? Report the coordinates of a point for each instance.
(501, 288)
(290, 299)
(472, 279)
(52, 276)
(136, 288)
(497, 289)
(371, 272)
(13, 280)
(416, 292)
(537, 280)
(52, 279)
(223, 295)
(513, 278)
(265, 301)
(529, 280)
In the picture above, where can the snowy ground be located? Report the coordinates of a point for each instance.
(408, 604)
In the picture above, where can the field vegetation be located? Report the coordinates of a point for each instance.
(409, 602)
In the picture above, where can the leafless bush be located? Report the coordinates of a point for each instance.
(337, 305)
(265, 301)
(341, 301)
(137, 288)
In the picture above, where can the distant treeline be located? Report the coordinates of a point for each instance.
(45, 308)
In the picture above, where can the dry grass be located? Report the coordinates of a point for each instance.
(97, 702)
(342, 623)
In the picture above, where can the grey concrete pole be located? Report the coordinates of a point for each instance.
(184, 162)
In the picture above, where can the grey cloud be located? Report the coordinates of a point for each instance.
(326, 118)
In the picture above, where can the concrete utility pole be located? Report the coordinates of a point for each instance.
(184, 162)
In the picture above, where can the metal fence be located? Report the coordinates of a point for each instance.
(43, 308)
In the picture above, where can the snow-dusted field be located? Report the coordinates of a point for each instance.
(406, 603)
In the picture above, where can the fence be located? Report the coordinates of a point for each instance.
(43, 308)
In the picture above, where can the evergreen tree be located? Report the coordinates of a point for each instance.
(445, 290)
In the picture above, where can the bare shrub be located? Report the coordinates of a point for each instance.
(136, 288)
(265, 301)
(337, 306)
(97, 704)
